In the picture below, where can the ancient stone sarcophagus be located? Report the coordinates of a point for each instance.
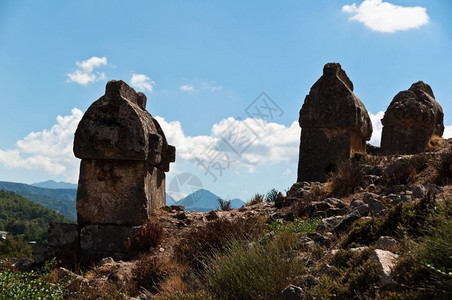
(411, 120)
(124, 156)
(335, 125)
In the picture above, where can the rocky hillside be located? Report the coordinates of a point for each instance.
(380, 227)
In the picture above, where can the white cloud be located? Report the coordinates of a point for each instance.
(49, 150)
(387, 17)
(210, 86)
(245, 143)
(377, 128)
(85, 74)
(200, 85)
(142, 82)
(447, 132)
(186, 88)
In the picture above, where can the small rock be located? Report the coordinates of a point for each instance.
(359, 249)
(213, 215)
(177, 207)
(386, 261)
(319, 240)
(243, 208)
(376, 206)
(334, 201)
(386, 243)
(305, 242)
(181, 215)
(327, 224)
(363, 210)
(419, 191)
(406, 198)
(369, 197)
(334, 212)
(292, 292)
(347, 221)
(356, 202)
(106, 260)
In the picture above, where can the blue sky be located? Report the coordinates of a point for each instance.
(201, 64)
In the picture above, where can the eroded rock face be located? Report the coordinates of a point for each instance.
(335, 125)
(411, 120)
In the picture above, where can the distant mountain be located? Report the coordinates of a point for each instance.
(204, 200)
(50, 184)
(170, 200)
(59, 200)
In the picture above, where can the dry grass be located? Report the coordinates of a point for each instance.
(436, 143)
(346, 179)
(202, 242)
(150, 235)
(149, 272)
(257, 198)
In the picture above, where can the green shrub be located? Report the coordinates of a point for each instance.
(252, 271)
(402, 220)
(353, 275)
(14, 247)
(425, 266)
(298, 226)
(346, 178)
(29, 285)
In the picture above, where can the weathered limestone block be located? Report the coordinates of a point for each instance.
(106, 240)
(335, 125)
(124, 156)
(411, 120)
(62, 235)
(118, 192)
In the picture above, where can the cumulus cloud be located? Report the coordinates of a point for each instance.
(387, 17)
(142, 82)
(377, 127)
(447, 132)
(85, 72)
(246, 143)
(49, 150)
(187, 88)
(200, 85)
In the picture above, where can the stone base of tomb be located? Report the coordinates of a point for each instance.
(100, 241)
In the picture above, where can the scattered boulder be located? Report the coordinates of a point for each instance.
(386, 243)
(419, 191)
(386, 261)
(327, 224)
(335, 125)
(347, 221)
(376, 207)
(411, 120)
(292, 292)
